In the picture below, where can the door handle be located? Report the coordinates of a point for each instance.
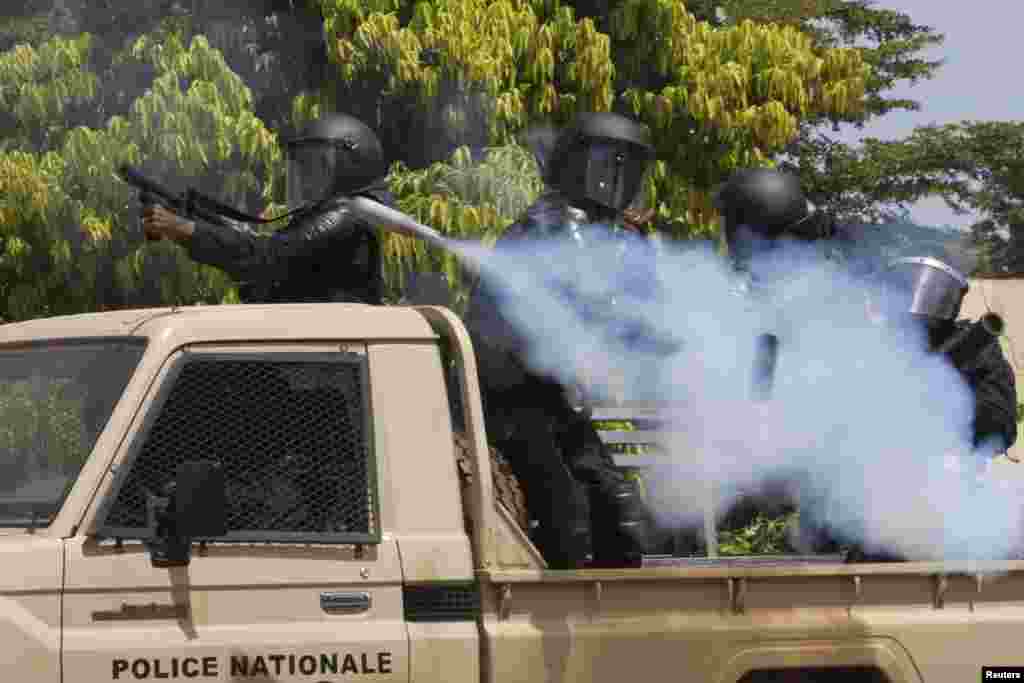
(345, 603)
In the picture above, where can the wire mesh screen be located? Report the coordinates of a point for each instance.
(292, 438)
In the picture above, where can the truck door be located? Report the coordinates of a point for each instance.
(305, 586)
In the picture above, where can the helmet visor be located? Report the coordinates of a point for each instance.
(613, 173)
(311, 169)
(924, 287)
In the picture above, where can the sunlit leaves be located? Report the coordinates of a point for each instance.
(64, 209)
(734, 95)
(38, 84)
(462, 199)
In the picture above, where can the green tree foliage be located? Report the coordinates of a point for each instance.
(70, 225)
(714, 97)
(977, 167)
(196, 93)
(763, 536)
(893, 46)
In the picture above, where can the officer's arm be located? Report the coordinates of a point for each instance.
(995, 399)
(246, 255)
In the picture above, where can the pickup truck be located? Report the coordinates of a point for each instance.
(305, 493)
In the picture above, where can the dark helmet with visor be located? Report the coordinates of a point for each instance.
(601, 160)
(334, 155)
(759, 208)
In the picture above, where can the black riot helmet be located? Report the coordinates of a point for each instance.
(761, 206)
(333, 155)
(924, 287)
(600, 160)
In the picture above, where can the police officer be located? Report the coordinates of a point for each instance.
(585, 507)
(760, 210)
(325, 253)
(925, 293)
(922, 296)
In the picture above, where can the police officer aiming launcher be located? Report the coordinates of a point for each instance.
(326, 252)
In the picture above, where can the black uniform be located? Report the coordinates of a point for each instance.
(925, 294)
(584, 505)
(760, 209)
(325, 253)
(994, 386)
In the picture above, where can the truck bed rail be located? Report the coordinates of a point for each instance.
(742, 560)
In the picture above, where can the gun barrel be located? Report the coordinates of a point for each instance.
(141, 182)
(395, 221)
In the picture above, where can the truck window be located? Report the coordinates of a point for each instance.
(293, 435)
(55, 400)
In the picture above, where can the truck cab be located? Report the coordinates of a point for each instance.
(303, 492)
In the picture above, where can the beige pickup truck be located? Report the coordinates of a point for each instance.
(272, 493)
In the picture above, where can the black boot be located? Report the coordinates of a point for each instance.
(563, 535)
(622, 527)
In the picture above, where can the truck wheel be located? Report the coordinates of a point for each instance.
(506, 487)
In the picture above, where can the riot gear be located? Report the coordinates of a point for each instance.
(923, 295)
(334, 155)
(759, 208)
(600, 161)
(326, 252)
(594, 171)
(924, 287)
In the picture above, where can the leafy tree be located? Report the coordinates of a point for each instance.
(893, 45)
(71, 239)
(714, 97)
(449, 86)
(976, 166)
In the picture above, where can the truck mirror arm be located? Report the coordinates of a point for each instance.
(194, 505)
(168, 547)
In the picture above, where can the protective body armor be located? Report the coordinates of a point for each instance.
(324, 254)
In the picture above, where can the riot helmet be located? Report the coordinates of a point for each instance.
(333, 155)
(600, 161)
(760, 208)
(541, 140)
(924, 288)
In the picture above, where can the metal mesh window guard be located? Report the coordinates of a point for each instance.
(294, 439)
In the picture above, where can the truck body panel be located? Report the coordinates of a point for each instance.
(30, 593)
(238, 612)
(443, 584)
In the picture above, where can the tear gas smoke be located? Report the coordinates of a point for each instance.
(865, 424)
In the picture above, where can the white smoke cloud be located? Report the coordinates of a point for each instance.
(865, 419)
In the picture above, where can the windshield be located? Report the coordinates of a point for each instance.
(55, 400)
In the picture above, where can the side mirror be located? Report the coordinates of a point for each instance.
(195, 507)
